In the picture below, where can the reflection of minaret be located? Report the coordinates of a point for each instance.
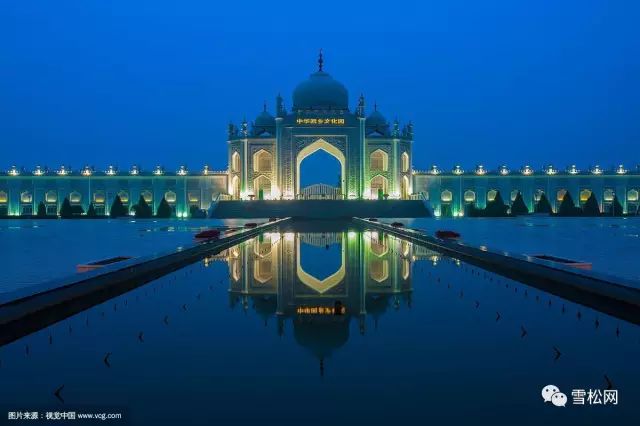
(280, 326)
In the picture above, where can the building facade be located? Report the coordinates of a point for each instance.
(21, 192)
(374, 156)
(451, 193)
(264, 159)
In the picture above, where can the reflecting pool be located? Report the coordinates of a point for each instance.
(611, 244)
(329, 326)
(41, 249)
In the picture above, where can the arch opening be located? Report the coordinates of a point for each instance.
(320, 169)
(379, 187)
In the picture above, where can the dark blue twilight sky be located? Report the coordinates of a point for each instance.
(155, 82)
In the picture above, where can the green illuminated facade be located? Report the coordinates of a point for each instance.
(264, 158)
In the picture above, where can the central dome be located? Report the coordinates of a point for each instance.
(320, 91)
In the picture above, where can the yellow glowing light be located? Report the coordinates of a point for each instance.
(527, 170)
(321, 121)
(320, 310)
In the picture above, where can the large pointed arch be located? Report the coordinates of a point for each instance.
(329, 149)
(326, 284)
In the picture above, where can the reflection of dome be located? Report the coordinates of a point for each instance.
(323, 335)
(377, 304)
(320, 91)
(265, 306)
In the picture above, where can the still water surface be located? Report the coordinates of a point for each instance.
(612, 245)
(39, 250)
(250, 336)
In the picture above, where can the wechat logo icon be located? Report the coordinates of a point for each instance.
(552, 394)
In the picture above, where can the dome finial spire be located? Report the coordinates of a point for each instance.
(375, 105)
(320, 60)
(264, 106)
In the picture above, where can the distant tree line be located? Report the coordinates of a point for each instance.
(141, 210)
(567, 207)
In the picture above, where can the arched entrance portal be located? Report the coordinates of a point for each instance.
(321, 144)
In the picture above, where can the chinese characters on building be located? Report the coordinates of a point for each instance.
(316, 121)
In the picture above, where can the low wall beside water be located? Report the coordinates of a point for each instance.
(320, 209)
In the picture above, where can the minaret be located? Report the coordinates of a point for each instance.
(364, 164)
(396, 129)
(280, 109)
(244, 128)
(231, 130)
(320, 61)
(360, 109)
(244, 133)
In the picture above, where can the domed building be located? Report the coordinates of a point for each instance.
(375, 158)
(265, 124)
(265, 154)
(320, 91)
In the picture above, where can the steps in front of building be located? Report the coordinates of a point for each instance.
(320, 209)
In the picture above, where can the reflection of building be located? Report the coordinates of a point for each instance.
(264, 159)
(268, 274)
